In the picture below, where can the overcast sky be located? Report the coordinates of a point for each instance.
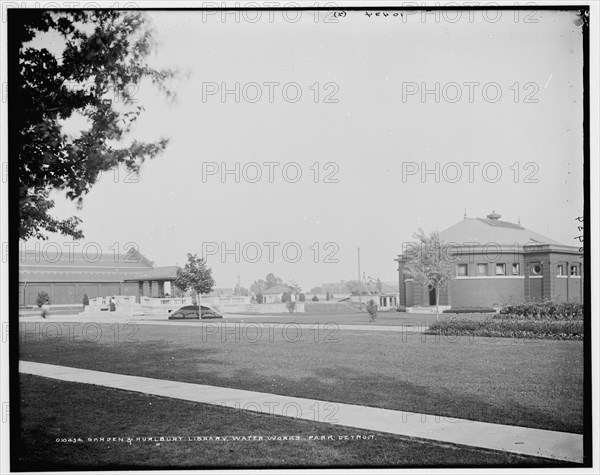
(373, 125)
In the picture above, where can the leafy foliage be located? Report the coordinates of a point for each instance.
(260, 285)
(239, 290)
(544, 310)
(195, 276)
(42, 299)
(86, 300)
(104, 55)
(302, 298)
(572, 330)
(296, 289)
(372, 309)
(429, 263)
(315, 298)
(291, 306)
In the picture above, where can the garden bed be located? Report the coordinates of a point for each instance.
(508, 328)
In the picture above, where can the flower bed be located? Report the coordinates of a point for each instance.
(507, 328)
(546, 310)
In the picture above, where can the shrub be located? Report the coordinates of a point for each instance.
(315, 299)
(554, 330)
(42, 299)
(470, 310)
(372, 309)
(302, 298)
(86, 300)
(259, 297)
(291, 306)
(545, 310)
(400, 308)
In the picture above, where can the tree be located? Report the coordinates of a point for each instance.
(429, 263)
(195, 276)
(302, 298)
(291, 306)
(273, 281)
(296, 289)
(372, 309)
(379, 286)
(258, 286)
(316, 290)
(286, 297)
(103, 56)
(356, 287)
(86, 300)
(259, 298)
(239, 290)
(327, 297)
(42, 299)
(315, 298)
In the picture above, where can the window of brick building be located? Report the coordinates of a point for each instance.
(462, 270)
(560, 269)
(575, 271)
(482, 269)
(515, 269)
(500, 269)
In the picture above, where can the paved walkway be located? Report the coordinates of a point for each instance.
(520, 440)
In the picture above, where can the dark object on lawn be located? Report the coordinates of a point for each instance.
(113, 305)
(86, 300)
(190, 312)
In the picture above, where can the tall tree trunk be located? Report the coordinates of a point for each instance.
(199, 305)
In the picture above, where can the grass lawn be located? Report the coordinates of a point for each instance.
(532, 383)
(383, 318)
(54, 410)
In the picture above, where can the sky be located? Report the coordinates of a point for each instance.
(508, 101)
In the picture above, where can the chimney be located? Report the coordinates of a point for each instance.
(494, 216)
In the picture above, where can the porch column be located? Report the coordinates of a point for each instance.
(161, 288)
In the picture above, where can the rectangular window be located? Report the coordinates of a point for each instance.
(515, 269)
(574, 271)
(560, 269)
(500, 269)
(462, 270)
(482, 269)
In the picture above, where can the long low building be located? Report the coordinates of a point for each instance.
(498, 262)
(68, 276)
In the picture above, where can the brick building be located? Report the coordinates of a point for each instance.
(66, 276)
(500, 262)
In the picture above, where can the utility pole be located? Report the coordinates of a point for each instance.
(359, 279)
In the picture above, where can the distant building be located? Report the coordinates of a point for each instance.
(67, 276)
(498, 262)
(274, 294)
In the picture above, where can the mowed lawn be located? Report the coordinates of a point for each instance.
(532, 383)
(55, 411)
(383, 318)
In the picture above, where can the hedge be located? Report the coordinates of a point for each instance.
(553, 330)
(545, 310)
